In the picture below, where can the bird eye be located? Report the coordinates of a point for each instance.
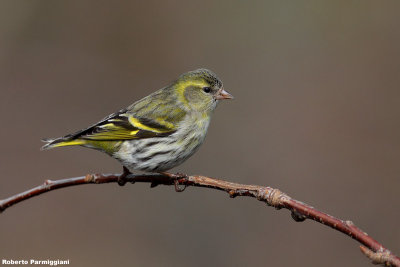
(207, 89)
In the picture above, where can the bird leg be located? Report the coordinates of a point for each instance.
(122, 178)
(175, 178)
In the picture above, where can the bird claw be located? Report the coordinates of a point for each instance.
(177, 187)
(154, 184)
(176, 177)
(122, 178)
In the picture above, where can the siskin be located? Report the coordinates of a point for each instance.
(159, 131)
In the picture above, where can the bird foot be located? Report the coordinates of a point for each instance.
(176, 177)
(122, 178)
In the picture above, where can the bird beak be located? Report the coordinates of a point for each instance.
(222, 94)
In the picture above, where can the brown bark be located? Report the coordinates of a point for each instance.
(273, 197)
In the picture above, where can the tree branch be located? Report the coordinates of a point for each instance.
(273, 197)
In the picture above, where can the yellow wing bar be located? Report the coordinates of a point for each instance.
(125, 127)
(166, 126)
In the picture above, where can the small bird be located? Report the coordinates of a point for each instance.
(159, 131)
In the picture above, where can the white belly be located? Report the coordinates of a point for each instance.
(163, 153)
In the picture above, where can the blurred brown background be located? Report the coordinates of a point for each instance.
(316, 114)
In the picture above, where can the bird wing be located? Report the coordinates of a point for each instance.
(125, 126)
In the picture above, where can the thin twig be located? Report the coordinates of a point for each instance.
(273, 197)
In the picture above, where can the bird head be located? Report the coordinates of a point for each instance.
(200, 90)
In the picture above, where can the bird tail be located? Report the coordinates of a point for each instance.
(62, 141)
